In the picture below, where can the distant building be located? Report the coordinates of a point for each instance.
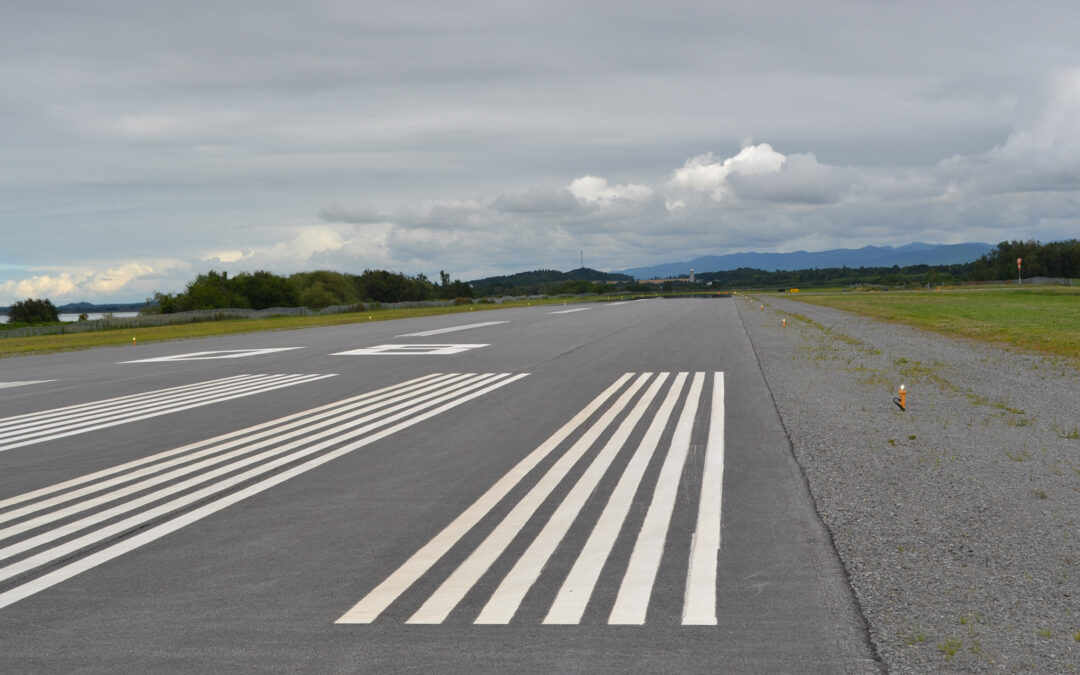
(691, 275)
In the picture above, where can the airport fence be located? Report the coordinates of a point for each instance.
(200, 315)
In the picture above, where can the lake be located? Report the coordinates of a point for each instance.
(90, 316)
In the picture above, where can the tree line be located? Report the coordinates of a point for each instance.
(323, 288)
(1059, 259)
(1055, 259)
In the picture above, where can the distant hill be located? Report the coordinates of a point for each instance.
(540, 281)
(867, 256)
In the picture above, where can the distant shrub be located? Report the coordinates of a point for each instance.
(33, 311)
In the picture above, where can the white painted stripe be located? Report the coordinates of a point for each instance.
(5, 421)
(504, 603)
(337, 426)
(452, 329)
(450, 593)
(307, 414)
(219, 354)
(5, 385)
(699, 607)
(376, 601)
(571, 311)
(148, 415)
(93, 560)
(577, 588)
(43, 426)
(632, 602)
(275, 430)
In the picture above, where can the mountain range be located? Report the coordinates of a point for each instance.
(868, 256)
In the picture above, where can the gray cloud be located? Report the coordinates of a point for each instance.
(429, 135)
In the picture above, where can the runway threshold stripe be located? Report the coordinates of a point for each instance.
(699, 606)
(4, 421)
(43, 426)
(115, 529)
(375, 602)
(577, 588)
(450, 593)
(337, 426)
(632, 602)
(503, 604)
(116, 421)
(641, 403)
(477, 387)
(293, 426)
(28, 496)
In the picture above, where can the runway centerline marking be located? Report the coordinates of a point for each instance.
(406, 350)
(218, 354)
(5, 385)
(571, 311)
(451, 329)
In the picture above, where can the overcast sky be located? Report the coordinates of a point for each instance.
(144, 142)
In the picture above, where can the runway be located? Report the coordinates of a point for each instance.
(597, 487)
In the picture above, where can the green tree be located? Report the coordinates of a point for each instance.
(33, 311)
(263, 290)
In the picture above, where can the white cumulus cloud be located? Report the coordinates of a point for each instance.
(595, 190)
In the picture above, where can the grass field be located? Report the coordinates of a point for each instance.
(1043, 319)
(59, 343)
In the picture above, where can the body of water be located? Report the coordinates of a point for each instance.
(89, 316)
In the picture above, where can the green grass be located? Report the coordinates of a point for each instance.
(1044, 319)
(60, 343)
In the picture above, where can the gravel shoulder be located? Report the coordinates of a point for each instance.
(957, 521)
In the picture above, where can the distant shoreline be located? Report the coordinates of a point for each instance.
(77, 308)
(72, 317)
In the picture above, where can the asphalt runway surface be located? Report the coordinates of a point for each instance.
(600, 487)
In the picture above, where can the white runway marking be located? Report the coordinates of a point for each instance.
(4, 385)
(633, 600)
(23, 430)
(571, 311)
(220, 354)
(568, 606)
(267, 454)
(452, 329)
(403, 350)
(700, 606)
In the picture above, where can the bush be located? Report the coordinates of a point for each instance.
(33, 311)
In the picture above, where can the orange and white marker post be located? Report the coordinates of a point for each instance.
(902, 399)
(1018, 261)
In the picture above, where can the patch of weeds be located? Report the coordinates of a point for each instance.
(1072, 435)
(1019, 422)
(892, 441)
(1076, 636)
(976, 399)
(949, 648)
(1046, 634)
(1041, 494)
(1017, 458)
(1003, 406)
(911, 437)
(915, 638)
